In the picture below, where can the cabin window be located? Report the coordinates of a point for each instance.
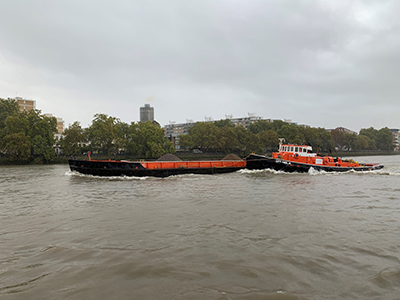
(296, 149)
(291, 149)
(304, 149)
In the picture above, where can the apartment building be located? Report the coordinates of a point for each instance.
(395, 135)
(58, 135)
(245, 121)
(25, 104)
(342, 129)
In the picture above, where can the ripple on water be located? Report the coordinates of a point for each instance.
(387, 278)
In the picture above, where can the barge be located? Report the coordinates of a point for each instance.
(153, 168)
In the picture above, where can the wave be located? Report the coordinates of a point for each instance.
(77, 174)
(314, 172)
(263, 171)
(172, 177)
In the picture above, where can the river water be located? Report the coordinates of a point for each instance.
(245, 235)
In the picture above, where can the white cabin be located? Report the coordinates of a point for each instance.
(301, 150)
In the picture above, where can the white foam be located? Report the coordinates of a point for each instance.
(77, 174)
(314, 172)
(270, 171)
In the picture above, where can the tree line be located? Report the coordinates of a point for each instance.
(29, 135)
(263, 136)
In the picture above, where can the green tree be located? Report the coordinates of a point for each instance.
(277, 124)
(146, 139)
(186, 141)
(362, 142)
(383, 138)
(16, 124)
(13, 138)
(73, 140)
(204, 135)
(8, 107)
(103, 134)
(28, 135)
(291, 134)
(18, 146)
(248, 142)
(41, 132)
(371, 132)
(227, 139)
(350, 141)
(133, 140)
(269, 139)
(318, 138)
(339, 138)
(261, 125)
(153, 142)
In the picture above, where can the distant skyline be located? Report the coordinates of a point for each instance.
(321, 63)
(211, 119)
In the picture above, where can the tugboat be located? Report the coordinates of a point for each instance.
(300, 158)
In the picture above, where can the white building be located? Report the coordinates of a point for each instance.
(58, 135)
(395, 135)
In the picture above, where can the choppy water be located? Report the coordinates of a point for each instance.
(246, 235)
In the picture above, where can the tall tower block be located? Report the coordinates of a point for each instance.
(146, 113)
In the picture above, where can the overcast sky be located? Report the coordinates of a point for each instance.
(322, 63)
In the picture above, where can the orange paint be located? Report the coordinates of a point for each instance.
(304, 154)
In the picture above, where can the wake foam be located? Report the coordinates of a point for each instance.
(77, 174)
(314, 172)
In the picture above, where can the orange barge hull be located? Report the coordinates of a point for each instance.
(154, 168)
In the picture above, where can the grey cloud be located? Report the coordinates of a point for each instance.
(209, 57)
